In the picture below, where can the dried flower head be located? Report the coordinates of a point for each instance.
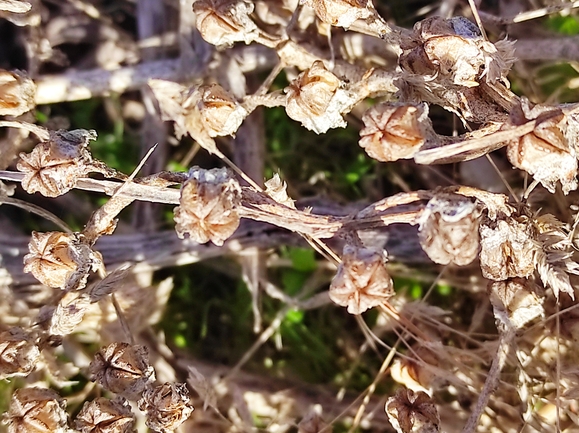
(105, 416)
(410, 411)
(36, 410)
(53, 167)
(448, 230)
(314, 98)
(340, 13)
(507, 248)
(18, 353)
(545, 152)
(123, 368)
(517, 298)
(17, 93)
(394, 131)
(167, 406)
(223, 22)
(60, 260)
(362, 281)
(220, 113)
(208, 206)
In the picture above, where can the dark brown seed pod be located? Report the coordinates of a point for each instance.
(448, 230)
(410, 411)
(123, 368)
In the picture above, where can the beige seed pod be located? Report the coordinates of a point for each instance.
(223, 22)
(208, 206)
(448, 230)
(410, 411)
(167, 406)
(518, 299)
(60, 260)
(340, 13)
(220, 114)
(314, 99)
(507, 248)
(53, 167)
(123, 368)
(545, 152)
(105, 416)
(36, 410)
(18, 353)
(394, 131)
(362, 281)
(17, 93)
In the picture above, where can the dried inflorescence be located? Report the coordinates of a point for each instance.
(410, 411)
(545, 153)
(341, 13)
(394, 131)
(315, 99)
(60, 260)
(508, 248)
(220, 114)
(518, 299)
(208, 209)
(53, 167)
(448, 230)
(362, 281)
(18, 353)
(166, 406)
(123, 368)
(36, 410)
(105, 416)
(17, 93)
(223, 22)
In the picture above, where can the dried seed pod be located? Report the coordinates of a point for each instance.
(220, 113)
(448, 230)
(123, 368)
(60, 260)
(17, 93)
(394, 131)
(53, 167)
(208, 206)
(362, 281)
(223, 22)
(105, 416)
(167, 406)
(545, 152)
(315, 99)
(517, 297)
(507, 248)
(410, 411)
(18, 353)
(340, 13)
(36, 410)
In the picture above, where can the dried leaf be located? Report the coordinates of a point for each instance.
(123, 368)
(36, 410)
(412, 412)
(105, 416)
(15, 6)
(18, 353)
(362, 281)
(448, 230)
(107, 285)
(167, 406)
(208, 206)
